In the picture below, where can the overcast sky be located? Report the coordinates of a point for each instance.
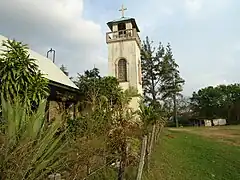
(204, 34)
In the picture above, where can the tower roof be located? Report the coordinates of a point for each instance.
(123, 19)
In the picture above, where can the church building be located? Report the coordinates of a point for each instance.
(124, 59)
(59, 84)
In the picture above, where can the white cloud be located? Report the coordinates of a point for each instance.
(54, 23)
(167, 11)
(205, 8)
(236, 47)
(193, 6)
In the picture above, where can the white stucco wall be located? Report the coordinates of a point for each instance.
(219, 122)
(138, 60)
(207, 123)
(216, 122)
(115, 27)
(128, 25)
(124, 85)
(134, 104)
(129, 50)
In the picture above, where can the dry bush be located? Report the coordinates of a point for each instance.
(103, 143)
(104, 135)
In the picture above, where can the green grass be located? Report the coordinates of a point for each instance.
(189, 156)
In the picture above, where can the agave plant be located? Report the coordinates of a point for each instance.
(29, 148)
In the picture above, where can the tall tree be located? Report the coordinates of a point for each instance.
(222, 101)
(91, 83)
(171, 81)
(183, 104)
(151, 59)
(20, 74)
(206, 102)
(161, 76)
(64, 69)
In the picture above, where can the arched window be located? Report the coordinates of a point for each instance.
(122, 70)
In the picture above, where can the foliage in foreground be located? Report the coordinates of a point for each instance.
(105, 134)
(20, 75)
(29, 147)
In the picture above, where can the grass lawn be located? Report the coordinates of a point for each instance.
(226, 134)
(192, 155)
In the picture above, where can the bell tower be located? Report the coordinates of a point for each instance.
(124, 60)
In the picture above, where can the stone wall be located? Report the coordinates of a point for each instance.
(54, 110)
(57, 109)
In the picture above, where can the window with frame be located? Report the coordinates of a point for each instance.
(121, 29)
(122, 70)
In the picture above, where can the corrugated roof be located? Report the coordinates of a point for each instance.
(47, 67)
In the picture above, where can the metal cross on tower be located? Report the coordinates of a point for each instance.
(123, 9)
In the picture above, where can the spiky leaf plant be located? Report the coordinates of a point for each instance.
(30, 148)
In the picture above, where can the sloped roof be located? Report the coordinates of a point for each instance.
(47, 67)
(123, 19)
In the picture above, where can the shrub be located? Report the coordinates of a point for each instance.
(30, 149)
(20, 74)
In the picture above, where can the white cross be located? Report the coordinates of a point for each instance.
(122, 9)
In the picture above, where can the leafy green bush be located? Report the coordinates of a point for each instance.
(20, 74)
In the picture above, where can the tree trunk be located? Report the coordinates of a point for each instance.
(142, 158)
(123, 162)
(212, 122)
(228, 115)
(121, 170)
(156, 132)
(147, 151)
(175, 110)
(159, 132)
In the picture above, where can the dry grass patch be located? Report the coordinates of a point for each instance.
(226, 134)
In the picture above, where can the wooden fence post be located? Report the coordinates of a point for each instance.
(142, 157)
(152, 139)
